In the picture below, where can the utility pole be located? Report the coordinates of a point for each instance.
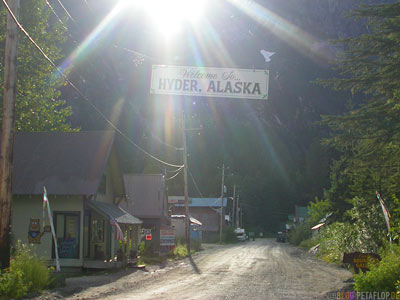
(222, 204)
(234, 205)
(237, 212)
(241, 217)
(185, 184)
(7, 134)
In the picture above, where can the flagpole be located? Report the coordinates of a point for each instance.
(386, 215)
(53, 232)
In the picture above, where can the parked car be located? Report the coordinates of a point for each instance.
(241, 234)
(281, 237)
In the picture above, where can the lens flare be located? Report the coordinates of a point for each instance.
(169, 16)
(299, 39)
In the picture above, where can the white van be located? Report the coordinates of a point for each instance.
(241, 234)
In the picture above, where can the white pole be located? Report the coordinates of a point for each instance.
(53, 232)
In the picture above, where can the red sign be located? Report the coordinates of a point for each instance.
(148, 237)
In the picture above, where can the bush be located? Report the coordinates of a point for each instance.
(12, 285)
(300, 233)
(229, 235)
(383, 276)
(26, 274)
(338, 238)
(307, 244)
(180, 250)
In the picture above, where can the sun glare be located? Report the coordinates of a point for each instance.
(169, 16)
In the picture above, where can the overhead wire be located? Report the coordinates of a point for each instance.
(61, 21)
(54, 12)
(141, 55)
(172, 177)
(195, 184)
(115, 46)
(152, 135)
(81, 94)
(87, 4)
(66, 11)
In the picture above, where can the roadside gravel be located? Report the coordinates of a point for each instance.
(261, 269)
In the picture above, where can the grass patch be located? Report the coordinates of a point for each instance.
(383, 276)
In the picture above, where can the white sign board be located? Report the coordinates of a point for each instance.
(209, 82)
(167, 237)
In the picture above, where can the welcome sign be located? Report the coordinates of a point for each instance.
(209, 82)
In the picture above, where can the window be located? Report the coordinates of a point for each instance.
(97, 233)
(67, 233)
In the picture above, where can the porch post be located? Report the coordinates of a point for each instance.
(112, 242)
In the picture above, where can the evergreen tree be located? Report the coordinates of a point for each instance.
(368, 135)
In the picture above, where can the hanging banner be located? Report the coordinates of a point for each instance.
(209, 82)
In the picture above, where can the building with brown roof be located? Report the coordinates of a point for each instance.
(147, 200)
(84, 184)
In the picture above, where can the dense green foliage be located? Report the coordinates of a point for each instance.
(367, 136)
(382, 277)
(38, 107)
(180, 251)
(300, 233)
(367, 140)
(26, 273)
(229, 235)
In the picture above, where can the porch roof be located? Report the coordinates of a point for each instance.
(192, 220)
(117, 213)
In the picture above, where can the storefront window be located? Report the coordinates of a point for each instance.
(67, 232)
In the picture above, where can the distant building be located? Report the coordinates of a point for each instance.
(301, 213)
(178, 222)
(207, 211)
(148, 200)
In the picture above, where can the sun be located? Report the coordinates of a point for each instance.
(170, 16)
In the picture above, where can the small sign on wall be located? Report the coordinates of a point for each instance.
(34, 234)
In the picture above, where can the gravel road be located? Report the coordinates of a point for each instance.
(261, 269)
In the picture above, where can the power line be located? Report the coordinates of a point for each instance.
(87, 4)
(80, 93)
(172, 177)
(61, 21)
(195, 184)
(65, 10)
(54, 12)
(139, 54)
(152, 135)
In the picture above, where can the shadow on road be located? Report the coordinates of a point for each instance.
(195, 268)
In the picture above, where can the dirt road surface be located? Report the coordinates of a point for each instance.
(261, 269)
